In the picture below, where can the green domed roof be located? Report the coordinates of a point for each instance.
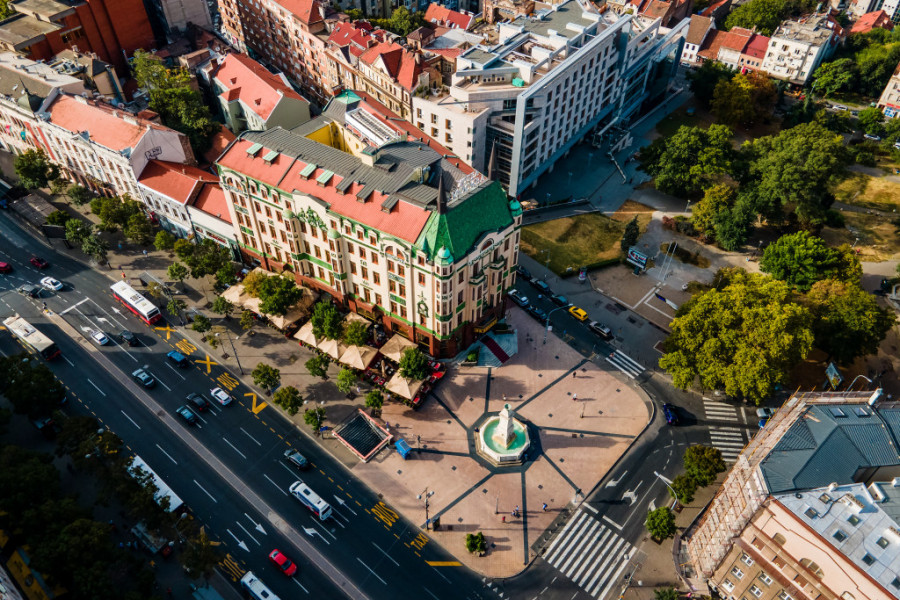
(334, 234)
(515, 208)
(444, 255)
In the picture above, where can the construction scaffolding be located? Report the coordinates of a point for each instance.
(710, 537)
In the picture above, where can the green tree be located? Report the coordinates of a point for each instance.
(95, 247)
(717, 199)
(764, 16)
(266, 376)
(733, 226)
(703, 464)
(871, 121)
(356, 333)
(253, 282)
(79, 195)
(177, 272)
(247, 320)
(835, 76)
(58, 217)
(703, 81)
(278, 294)
(184, 249)
(164, 241)
(318, 366)
(801, 259)
(375, 399)
(6, 10)
(226, 276)
(327, 321)
(27, 478)
(346, 380)
(848, 322)
(744, 335)
(288, 398)
(34, 168)
(115, 212)
(630, 235)
(660, 523)
(690, 160)
(475, 543)
(413, 364)
(666, 593)
(138, 229)
(201, 324)
(30, 385)
(401, 22)
(222, 306)
(683, 486)
(314, 417)
(175, 306)
(200, 557)
(744, 100)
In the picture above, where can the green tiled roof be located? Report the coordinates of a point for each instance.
(461, 226)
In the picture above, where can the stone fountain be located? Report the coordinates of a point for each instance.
(503, 439)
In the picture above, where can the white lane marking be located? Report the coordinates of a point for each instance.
(211, 497)
(289, 470)
(166, 453)
(278, 487)
(130, 419)
(233, 448)
(258, 443)
(300, 584)
(248, 533)
(611, 522)
(73, 306)
(371, 571)
(429, 593)
(438, 571)
(590, 508)
(162, 383)
(389, 557)
(71, 364)
(175, 371)
(95, 387)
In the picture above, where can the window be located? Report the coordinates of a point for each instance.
(868, 559)
(374, 258)
(779, 539)
(853, 520)
(765, 579)
(737, 572)
(896, 583)
(728, 585)
(839, 535)
(376, 278)
(755, 591)
(745, 558)
(883, 542)
(783, 595)
(350, 248)
(421, 278)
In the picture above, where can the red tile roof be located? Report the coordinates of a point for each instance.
(258, 88)
(870, 21)
(212, 201)
(105, 124)
(181, 183)
(307, 11)
(710, 48)
(736, 39)
(357, 36)
(220, 141)
(698, 29)
(656, 9)
(402, 65)
(711, 9)
(757, 46)
(442, 15)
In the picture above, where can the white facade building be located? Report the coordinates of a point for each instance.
(168, 189)
(797, 48)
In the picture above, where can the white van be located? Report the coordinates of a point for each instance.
(256, 588)
(304, 494)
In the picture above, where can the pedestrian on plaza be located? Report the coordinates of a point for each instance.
(145, 253)
(575, 397)
(574, 374)
(544, 507)
(123, 275)
(503, 519)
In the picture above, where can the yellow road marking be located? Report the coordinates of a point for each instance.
(169, 331)
(443, 563)
(257, 406)
(208, 362)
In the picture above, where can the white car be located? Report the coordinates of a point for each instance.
(221, 396)
(100, 337)
(51, 284)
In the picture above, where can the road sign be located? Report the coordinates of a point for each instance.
(834, 376)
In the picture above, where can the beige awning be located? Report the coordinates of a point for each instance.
(359, 357)
(352, 316)
(404, 387)
(332, 348)
(395, 346)
(305, 335)
(236, 295)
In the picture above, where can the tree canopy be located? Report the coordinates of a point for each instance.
(835, 76)
(356, 333)
(414, 364)
(288, 398)
(745, 100)
(30, 385)
(660, 523)
(266, 376)
(743, 336)
(801, 259)
(703, 464)
(401, 21)
(703, 80)
(34, 168)
(764, 16)
(327, 322)
(690, 160)
(630, 235)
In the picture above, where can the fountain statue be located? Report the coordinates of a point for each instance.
(503, 439)
(505, 433)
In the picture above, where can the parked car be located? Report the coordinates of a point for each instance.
(559, 300)
(764, 413)
(187, 414)
(541, 286)
(840, 107)
(129, 338)
(199, 402)
(578, 313)
(872, 137)
(762, 422)
(178, 358)
(281, 561)
(671, 413)
(537, 313)
(221, 396)
(600, 329)
(38, 262)
(144, 378)
(51, 284)
(296, 459)
(523, 272)
(517, 297)
(99, 337)
(5, 267)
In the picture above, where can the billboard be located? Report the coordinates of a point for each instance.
(636, 258)
(834, 376)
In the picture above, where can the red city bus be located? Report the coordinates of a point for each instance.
(135, 302)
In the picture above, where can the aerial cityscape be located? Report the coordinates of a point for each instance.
(457, 299)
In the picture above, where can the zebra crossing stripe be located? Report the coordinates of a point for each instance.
(612, 580)
(584, 523)
(563, 533)
(602, 573)
(589, 559)
(573, 549)
(578, 556)
(603, 553)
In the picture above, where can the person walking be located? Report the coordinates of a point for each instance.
(544, 507)
(575, 397)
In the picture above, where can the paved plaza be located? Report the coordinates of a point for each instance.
(586, 417)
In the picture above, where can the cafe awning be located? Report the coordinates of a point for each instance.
(332, 348)
(404, 387)
(395, 346)
(305, 334)
(359, 357)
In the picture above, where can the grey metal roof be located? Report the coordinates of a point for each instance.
(21, 30)
(570, 12)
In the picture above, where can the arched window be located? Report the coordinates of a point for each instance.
(779, 539)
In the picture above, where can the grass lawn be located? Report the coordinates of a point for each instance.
(869, 192)
(573, 242)
(879, 239)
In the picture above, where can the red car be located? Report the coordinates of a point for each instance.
(39, 263)
(283, 562)
(5, 267)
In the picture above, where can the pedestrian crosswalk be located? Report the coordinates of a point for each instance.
(590, 554)
(730, 440)
(625, 363)
(720, 411)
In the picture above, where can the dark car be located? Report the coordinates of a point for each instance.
(144, 378)
(199, 402)
(296, 459)
(541, 286)
(178, 358)
(518, 298)
(129, 338)
(38, 262)
(47, 426)
(523, 272)
(30, 290)
(559, 300)
(671, 413)
(187, 414)
(537, 313)
(600, 329)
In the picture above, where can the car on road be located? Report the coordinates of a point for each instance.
(670, 413)
(38, 262)
(537, 313)
(600, 329)
(559, 300)
(765, 413)
(143, 377)
(221, 396)
(178, 358)
(129, 338)
(839, 107)
(517, 297)
(762, 422)
(523, 272)
(187, 414)
(872, 137)
(296, 459)
(29, 290)
(5, 267)
(199, 402)
(99, 337)
(51, 284)
(578, 313)
(541, 286)
(281, 561)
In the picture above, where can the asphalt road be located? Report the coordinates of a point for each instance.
(228, 469)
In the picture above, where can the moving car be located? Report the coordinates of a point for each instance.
(187, 414)
(765, 413)
(541, 286)
(129, 338)
(5, 267)
(29, 290)
(517, 297)
(559, 300)
(296, 459)
(600, 329)
(537, 313)
(578, 313)
(51, 284)
(38, 262)
(221, 396)
(99, 337)
(671, 413)
(199, 402)
(281, 561)
(178, 358)
(144, 378)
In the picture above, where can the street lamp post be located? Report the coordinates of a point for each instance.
(547, 324)
(228, 337)
(671, 489)
(849, 387)
(425, 496)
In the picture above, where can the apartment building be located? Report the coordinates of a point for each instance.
(794, 540)
(551, 80)
(288, 35)
(742, 49)
(398, 232)
(346, 43)
(889, 102)
(798, 47)
(252, 97)
(392, 74)
(873, 20)
(441, 16)
(170, 17)
(168, 189)
(105, 148)
(211, 220)
(697, 32)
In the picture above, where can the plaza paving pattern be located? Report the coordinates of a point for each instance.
(579, 440)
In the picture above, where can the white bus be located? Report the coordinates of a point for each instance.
(162, 490)
(319, 507)
(31, 337)
(256, 588)
(135, 302)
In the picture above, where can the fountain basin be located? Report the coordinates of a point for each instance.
(493, 450)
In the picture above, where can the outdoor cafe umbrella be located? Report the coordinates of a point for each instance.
(395, 346)
(305, 334)
(404, 387)
(332, 348)
(359, 357)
